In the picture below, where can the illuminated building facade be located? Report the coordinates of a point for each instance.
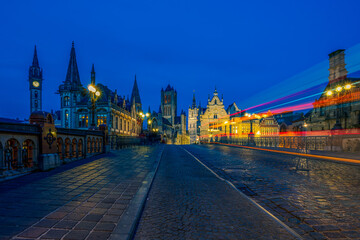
(35, 85)
(213, 119)
(338, 107)
(120, 115)
(194, 113)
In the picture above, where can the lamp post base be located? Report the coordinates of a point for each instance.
(251, 141)
(337, 126)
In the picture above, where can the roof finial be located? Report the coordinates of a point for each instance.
(73, 43)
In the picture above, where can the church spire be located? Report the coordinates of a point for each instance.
(72, 75)
(93, 75)
(194, 101)
(35, 62)
(135, 93)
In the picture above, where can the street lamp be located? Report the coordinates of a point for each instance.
(94, 95)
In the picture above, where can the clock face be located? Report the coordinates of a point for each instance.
(36, 84)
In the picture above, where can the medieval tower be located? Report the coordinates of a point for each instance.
(35, 85)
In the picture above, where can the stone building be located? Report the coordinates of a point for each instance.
(194, 123)
(171, 127)
(214, 119)
(120, 115)
(339, 105)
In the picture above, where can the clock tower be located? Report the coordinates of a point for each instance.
(35, 85)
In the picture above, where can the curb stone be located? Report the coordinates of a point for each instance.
(126, 226)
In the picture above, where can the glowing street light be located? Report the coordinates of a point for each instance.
(347, 86)
(329, 93)
(94, 96)
(339, 89)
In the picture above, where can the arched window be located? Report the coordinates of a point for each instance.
(101, 119)
(66, 101)
(215, 116)
(36, 94)
(116, 122)
(83, 120)
(36, 103)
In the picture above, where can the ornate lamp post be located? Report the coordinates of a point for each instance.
(338, 90)
(251, 134)
(94, 95)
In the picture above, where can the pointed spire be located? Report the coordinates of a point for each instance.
(35, 62)
(72, 75)
(194, 101)
(135, 93)
(149, 111)
(93, 75)
(215, 92)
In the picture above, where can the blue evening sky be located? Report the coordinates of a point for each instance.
(253, 51)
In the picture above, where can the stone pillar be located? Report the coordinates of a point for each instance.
(49, 157)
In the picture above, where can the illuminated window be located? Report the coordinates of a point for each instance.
(83, 120)
(66, 101)
(101, 119)
(66, 118)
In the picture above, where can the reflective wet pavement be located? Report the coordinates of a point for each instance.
(80, 200)
(187, 201)
(318, 199)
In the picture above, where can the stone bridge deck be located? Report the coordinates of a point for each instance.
(99, 199)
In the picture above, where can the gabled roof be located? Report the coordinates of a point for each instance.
(166, 122)
(10, 120)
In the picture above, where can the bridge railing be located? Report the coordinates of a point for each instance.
(345, 143)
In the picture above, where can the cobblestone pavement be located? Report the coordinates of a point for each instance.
(321, 203)
(80, 200)
(186, 201)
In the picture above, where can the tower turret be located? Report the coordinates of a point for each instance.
(35, 84)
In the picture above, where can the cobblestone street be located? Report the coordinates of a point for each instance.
(90, 198)
(321, 203)
(80, 200)
(187, 201)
